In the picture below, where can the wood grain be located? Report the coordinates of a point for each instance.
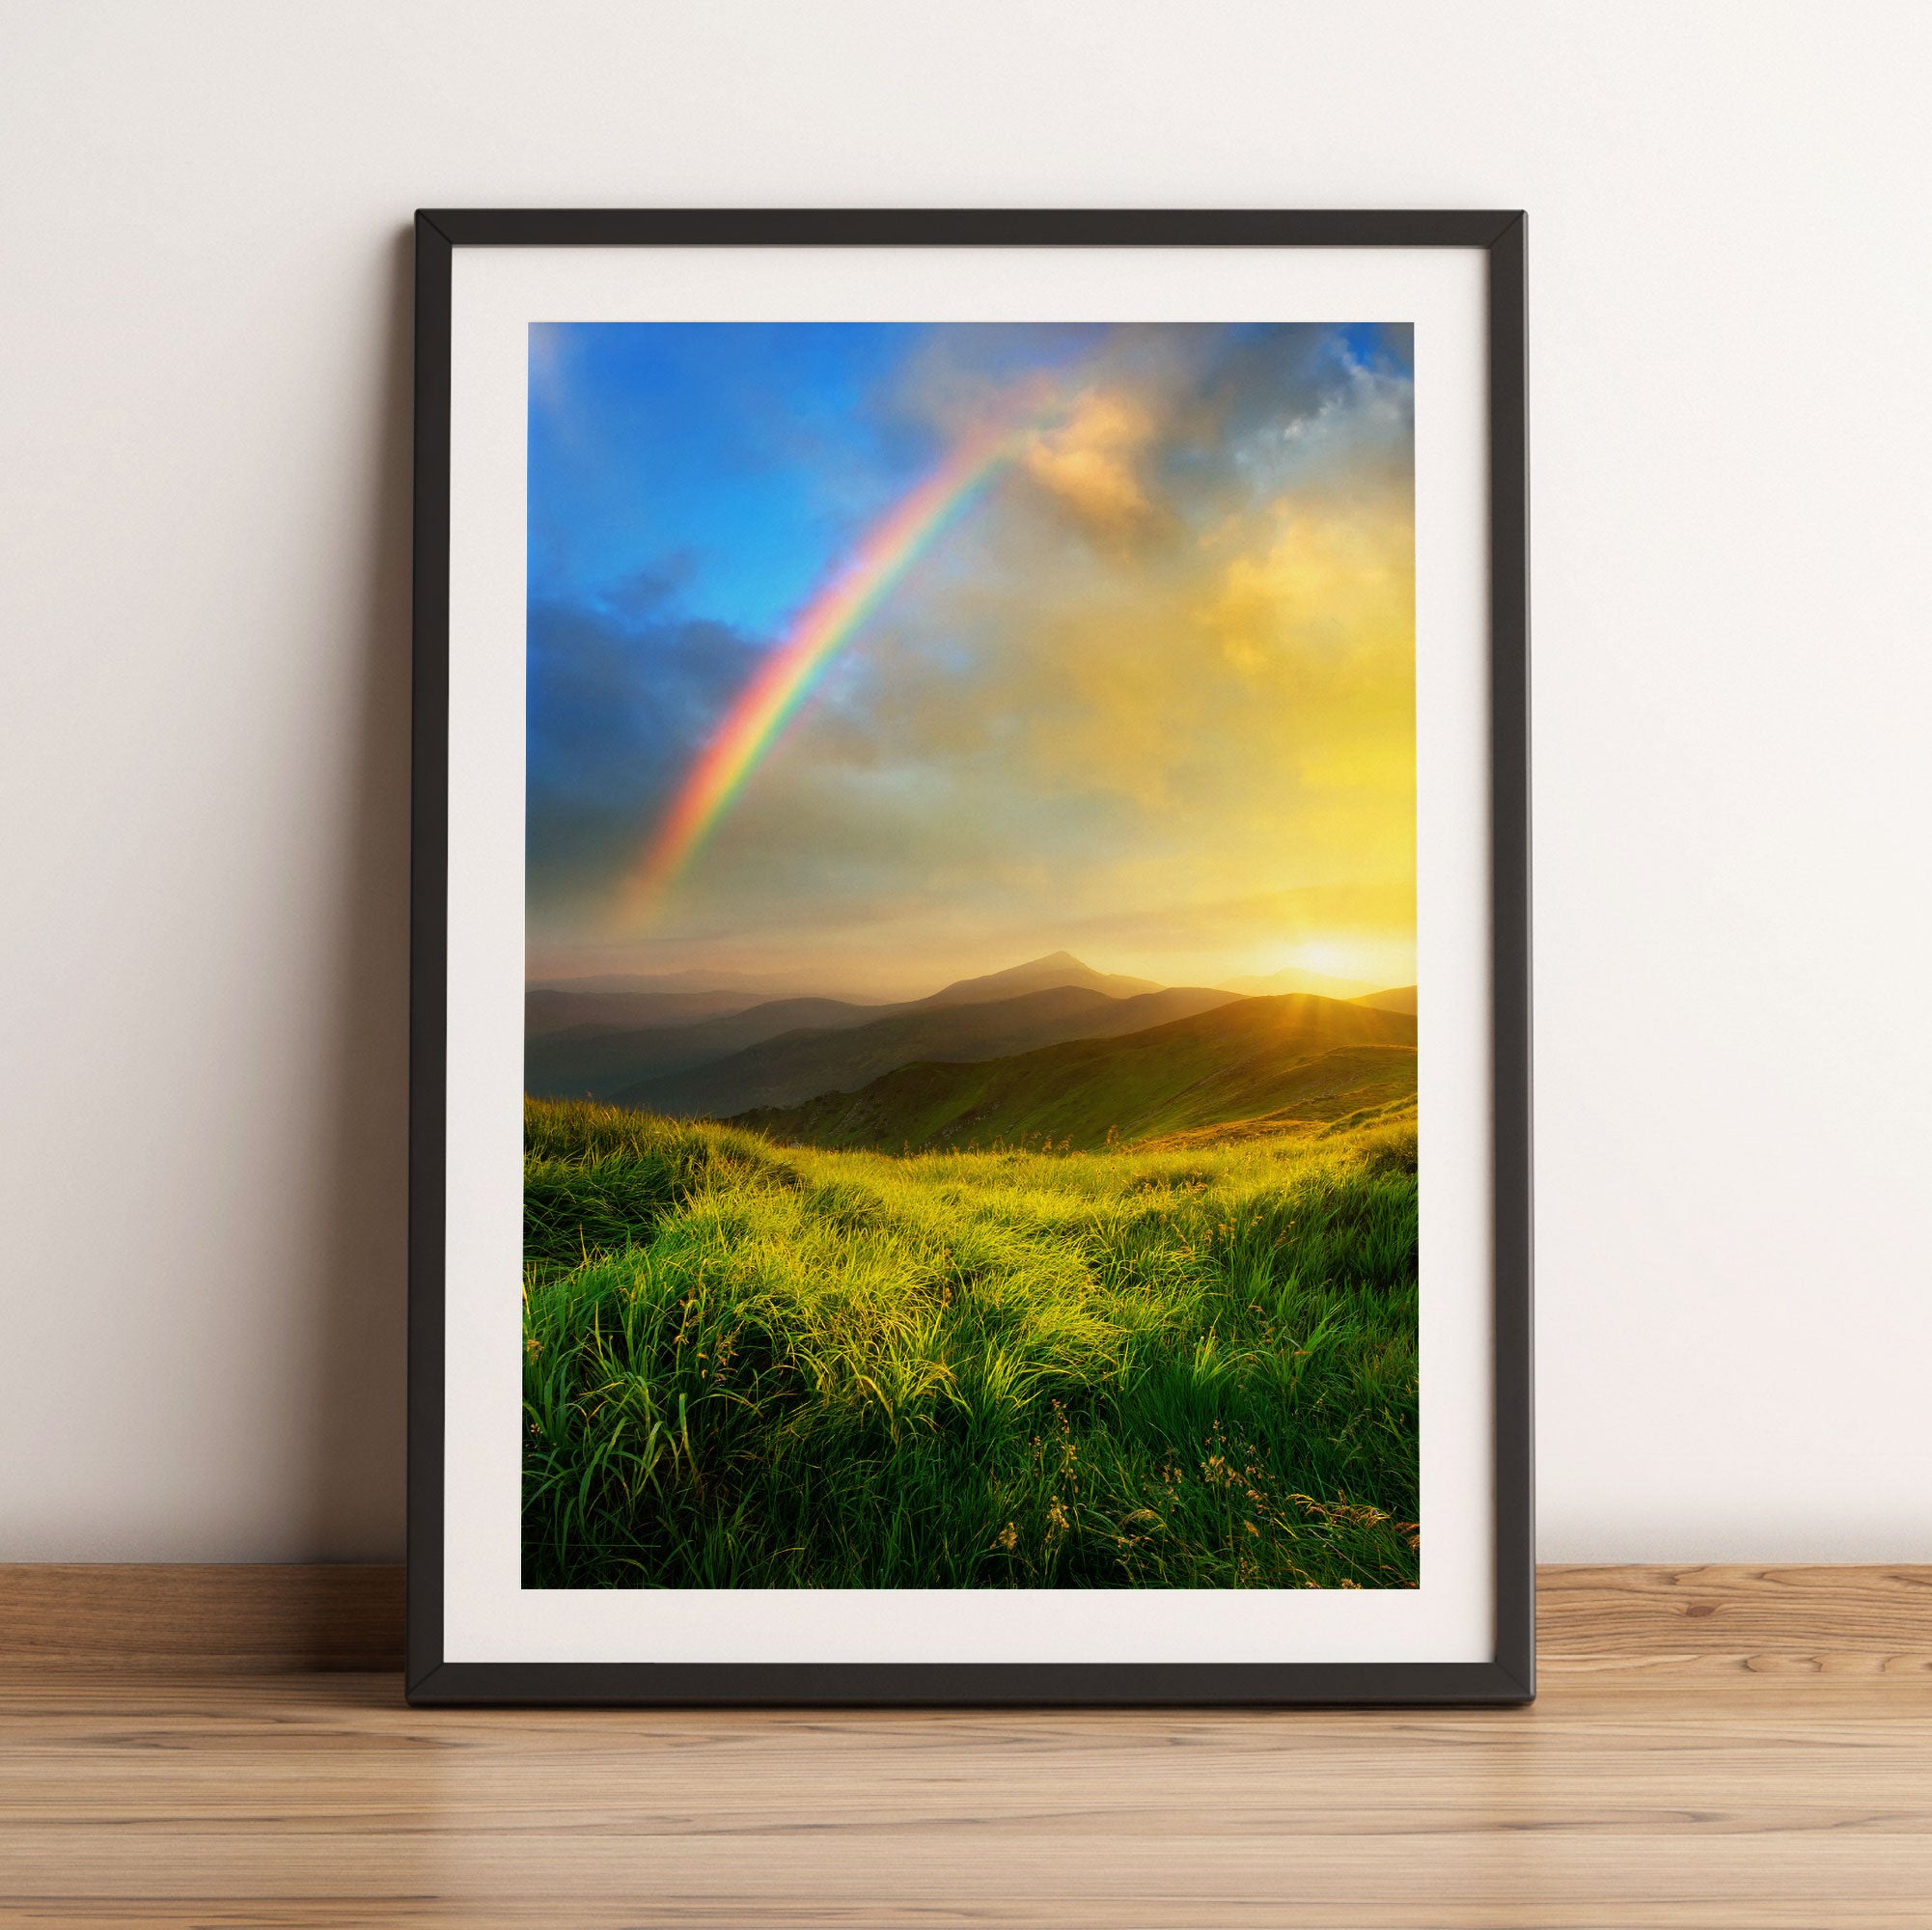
(1794, 1619)
(235, 1615)
(1714, 1748)
(1863, 1621)
(1727, 1800)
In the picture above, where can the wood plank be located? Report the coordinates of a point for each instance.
(1803, 1620)
(250, 1616)
(1673, 1619)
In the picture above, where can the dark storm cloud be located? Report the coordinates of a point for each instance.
(622, 694)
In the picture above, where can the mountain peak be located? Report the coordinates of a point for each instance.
(1038, 975)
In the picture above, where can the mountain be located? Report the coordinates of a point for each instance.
(784, 1070)
(596, 1062)
(627, 1032)
(753, 988)
(1292, 979)
(636, 1000)
(1400, 999)
(1282, 1062)
(561, 1009)
(1038, 975)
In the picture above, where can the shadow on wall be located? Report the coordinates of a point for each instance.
(354, 1504)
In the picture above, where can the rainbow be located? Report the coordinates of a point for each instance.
(772, 698)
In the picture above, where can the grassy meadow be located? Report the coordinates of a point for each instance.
(751, 1365)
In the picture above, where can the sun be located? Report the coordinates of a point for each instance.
(1330, 958)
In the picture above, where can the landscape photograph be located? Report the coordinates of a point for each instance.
(970, 1065)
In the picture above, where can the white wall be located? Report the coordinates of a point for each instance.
(204, 382)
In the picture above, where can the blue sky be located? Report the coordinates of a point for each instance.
(737, 462)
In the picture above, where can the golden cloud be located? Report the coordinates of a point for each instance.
(1087, 463)
(1192, 754)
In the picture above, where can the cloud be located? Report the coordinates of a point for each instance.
(1087, 461)
(620, 695)
(1362, 423)
(1154, 697)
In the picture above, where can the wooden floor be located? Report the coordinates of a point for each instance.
(1712, 1746)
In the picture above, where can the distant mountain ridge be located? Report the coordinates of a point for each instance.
(682, 998)
(548, 1008)
(599, 1043)
(1400, 999)
(1294, 1062)
(798, 1066)
(597, 1062)
(1038, 975)
(600, 983)
(1292, 979)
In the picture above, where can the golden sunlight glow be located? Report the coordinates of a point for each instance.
(1172, 734)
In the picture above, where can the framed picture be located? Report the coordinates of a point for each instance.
(970, 1046)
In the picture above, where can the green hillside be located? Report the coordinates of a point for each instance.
(756, 1368)
(1298, 1060)
(798, 1065)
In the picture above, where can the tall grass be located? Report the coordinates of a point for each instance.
(749, 1367)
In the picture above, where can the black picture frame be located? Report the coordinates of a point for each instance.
(1507, 1678)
